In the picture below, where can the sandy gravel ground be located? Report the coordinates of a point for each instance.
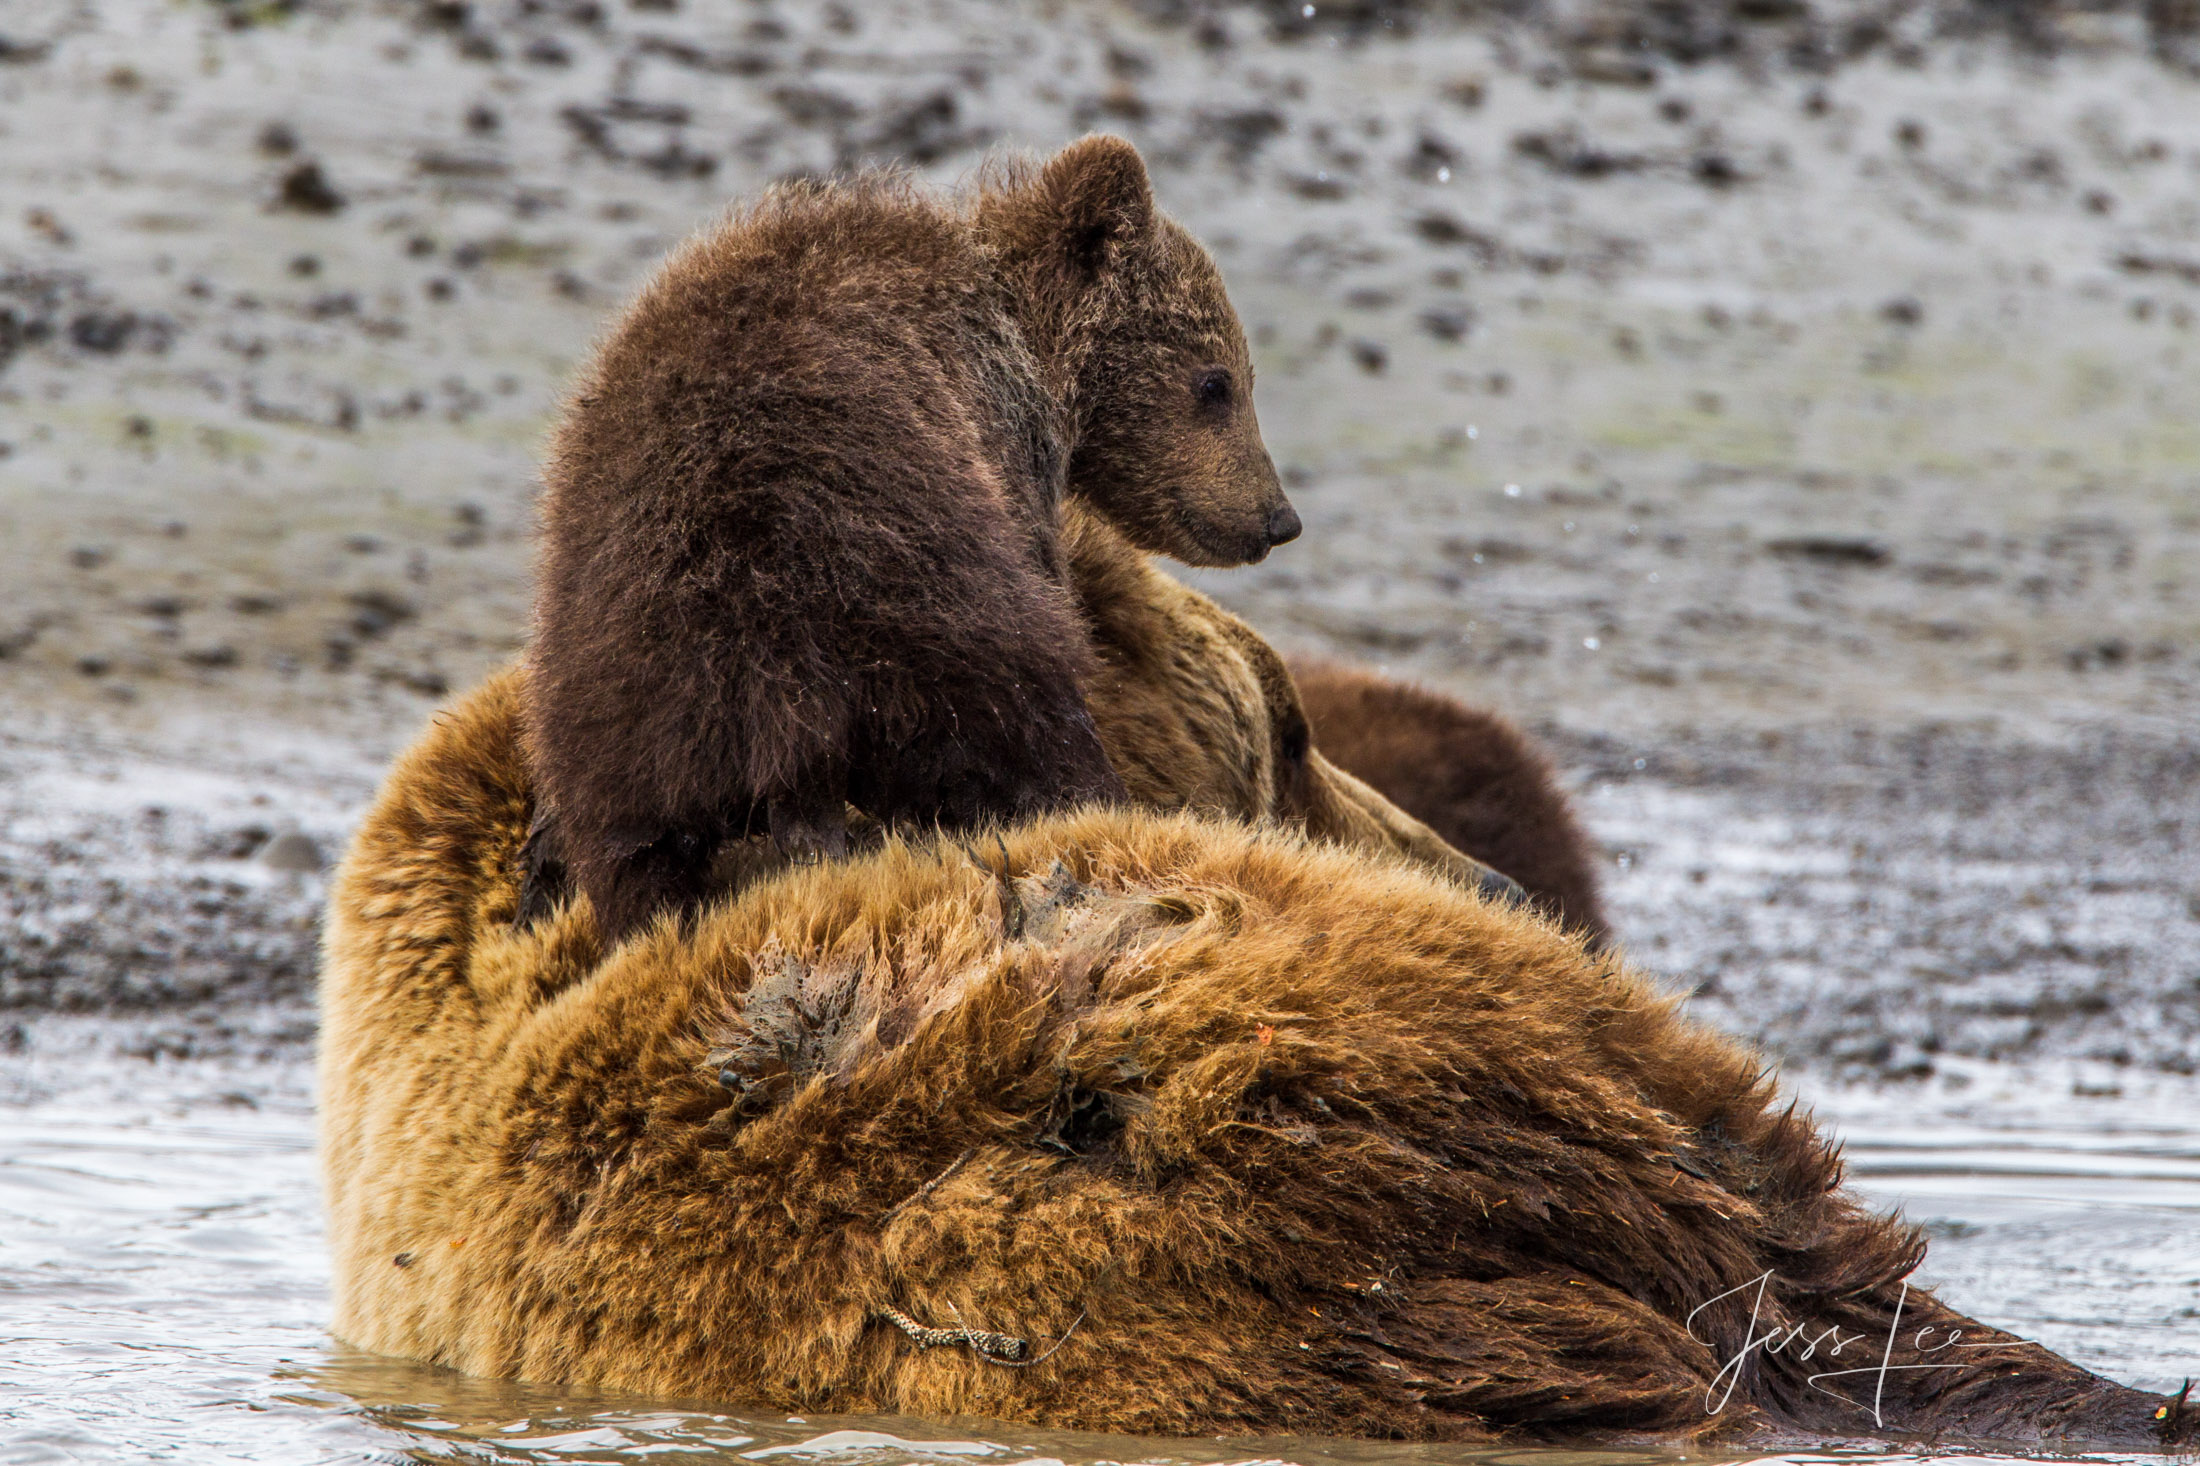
(1783, 410)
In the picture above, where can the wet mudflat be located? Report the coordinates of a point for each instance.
(161, 1258)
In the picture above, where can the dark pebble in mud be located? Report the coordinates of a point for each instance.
(103, 332)
(376, 611)
(1448, 323)
(306, 190)
(1829, 550)
(1714, 170)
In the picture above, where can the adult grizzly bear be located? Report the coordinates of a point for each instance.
(800, 518)
(1214, 1129)
(1474, 778)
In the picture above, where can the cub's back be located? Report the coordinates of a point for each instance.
(855, 327)
(800, 544)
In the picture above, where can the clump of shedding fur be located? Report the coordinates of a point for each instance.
(801, 535)
(1266, 1135)
(1476, 779)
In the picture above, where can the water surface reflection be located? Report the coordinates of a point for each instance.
(163, 1282)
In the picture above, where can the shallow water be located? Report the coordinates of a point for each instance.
(165, 1286)
(2063, 1203)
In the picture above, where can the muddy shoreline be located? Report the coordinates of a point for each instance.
(1923, 898)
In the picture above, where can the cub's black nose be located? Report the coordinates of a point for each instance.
(1283, 525)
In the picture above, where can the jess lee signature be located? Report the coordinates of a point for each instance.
(1833, 1341)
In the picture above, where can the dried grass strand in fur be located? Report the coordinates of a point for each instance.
(1005, 1350)
(930, 1186)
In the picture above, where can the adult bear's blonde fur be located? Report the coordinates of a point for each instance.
(1295, 1137)
(524, 1179)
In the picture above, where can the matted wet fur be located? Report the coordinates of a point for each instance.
(1469, 774)
(800, 519)
(1215, 1129)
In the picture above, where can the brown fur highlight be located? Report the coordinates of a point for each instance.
(1297, 1138)
(1476, 779)
(801, 519)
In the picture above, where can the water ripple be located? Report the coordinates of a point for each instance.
(164, 1287)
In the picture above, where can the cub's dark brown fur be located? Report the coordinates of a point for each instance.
(1469, 775)
(801, 521)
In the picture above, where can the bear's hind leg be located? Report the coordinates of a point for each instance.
(809, 821)
(983, 768)
(1054, 762)
(634, 880)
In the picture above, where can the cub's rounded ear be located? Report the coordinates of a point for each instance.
(1100, 199)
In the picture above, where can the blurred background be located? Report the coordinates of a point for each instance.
(1781, 407)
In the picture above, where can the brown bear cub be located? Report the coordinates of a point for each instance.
(1469, 775)
(802, 516)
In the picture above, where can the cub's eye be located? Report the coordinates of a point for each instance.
(1213, 388)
